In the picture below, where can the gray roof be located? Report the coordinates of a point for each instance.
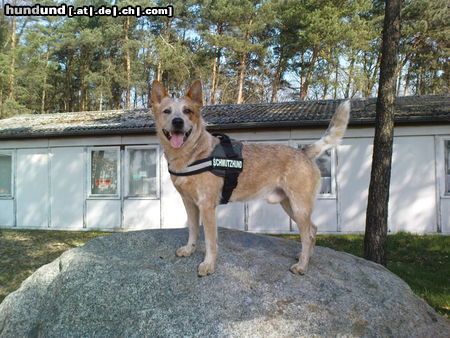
(409, 109)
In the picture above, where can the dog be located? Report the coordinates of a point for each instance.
(278, 173)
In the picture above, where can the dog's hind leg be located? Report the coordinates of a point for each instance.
(301, 212)
(193, 224)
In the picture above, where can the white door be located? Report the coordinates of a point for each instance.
(353, 177)
(412, 200)
(32, 188)
(67, 198)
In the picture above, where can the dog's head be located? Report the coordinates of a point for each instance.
(178, 120)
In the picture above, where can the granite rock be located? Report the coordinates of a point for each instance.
(132, 285)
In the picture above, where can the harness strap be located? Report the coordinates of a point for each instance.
(196, 167)
(231, 176)
(226, 144)
(232, 164)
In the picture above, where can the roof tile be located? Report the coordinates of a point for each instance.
(409, 109)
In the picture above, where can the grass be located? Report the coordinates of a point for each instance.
(421, 261)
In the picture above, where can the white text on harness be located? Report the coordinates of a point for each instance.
(225, 163)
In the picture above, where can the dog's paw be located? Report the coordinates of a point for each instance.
(205, 269)
(298, 269)
(185, 251)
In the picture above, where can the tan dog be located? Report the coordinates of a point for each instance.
(278, 173)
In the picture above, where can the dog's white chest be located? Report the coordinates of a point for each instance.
(179, 180)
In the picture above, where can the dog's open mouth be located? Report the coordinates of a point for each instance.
(177, 138)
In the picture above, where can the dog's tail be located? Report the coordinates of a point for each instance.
(334, 133)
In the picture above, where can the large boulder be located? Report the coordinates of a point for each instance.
(132, 285)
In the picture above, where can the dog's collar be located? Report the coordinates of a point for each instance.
(224, 162)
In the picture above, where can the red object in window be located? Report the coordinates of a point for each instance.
(103, 182)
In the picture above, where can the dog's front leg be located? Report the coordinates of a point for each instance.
(193, 224)
(208, 213)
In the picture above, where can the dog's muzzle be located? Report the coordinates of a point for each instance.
(177, 137)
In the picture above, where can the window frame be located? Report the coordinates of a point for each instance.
(90, 195)
(441, 162)
(126, 173)
(446, 168)
(333, 195)
(12, 153)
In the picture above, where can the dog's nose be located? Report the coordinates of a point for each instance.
(177, 123)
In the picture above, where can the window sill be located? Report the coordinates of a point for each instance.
(130, 198)
(326, 197)
(103, 198)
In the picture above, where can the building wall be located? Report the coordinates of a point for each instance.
(51, 186)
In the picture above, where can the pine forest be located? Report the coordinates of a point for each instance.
(244, 51)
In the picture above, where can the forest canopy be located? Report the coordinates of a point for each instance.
(243, 51)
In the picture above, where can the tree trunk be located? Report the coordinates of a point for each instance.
(44, 91)
(242, 67)
(100, 102)
(215, 76)
(407, 81)
(68, 98)
(215, 70)
(399, 80)
(305, 85)
(336, 78)
(421, 82)
(350, 76)
(145, 95)
(1, 104)
(277, 79)
(372, 78)
(83, 82)
(159, 72)
(328, 76)
(12, 64)
(213, 81)
(126, 28)
(400, 74)
(377, 205)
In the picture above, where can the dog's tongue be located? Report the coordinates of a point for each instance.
(176, 140)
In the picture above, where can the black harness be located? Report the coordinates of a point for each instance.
(225, 161)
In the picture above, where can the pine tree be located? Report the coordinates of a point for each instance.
(425, 47)
(375, 239)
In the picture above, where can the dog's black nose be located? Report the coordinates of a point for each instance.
(178, 123)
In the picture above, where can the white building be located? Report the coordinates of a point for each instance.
(105, 170)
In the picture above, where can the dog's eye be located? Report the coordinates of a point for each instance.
(187, 111)
(166, 111)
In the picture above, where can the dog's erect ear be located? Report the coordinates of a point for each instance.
(195, 92)
(158, 92)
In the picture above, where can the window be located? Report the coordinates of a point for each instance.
(447, 168)
(104, 171)
(141, 172)
(325, 164)
(6, 174)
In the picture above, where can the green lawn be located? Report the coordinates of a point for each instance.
(422, 261)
